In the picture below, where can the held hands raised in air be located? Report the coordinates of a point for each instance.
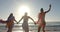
(50, 5)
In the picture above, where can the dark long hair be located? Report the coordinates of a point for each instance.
(10, 15)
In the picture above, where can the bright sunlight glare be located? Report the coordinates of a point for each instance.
(22, 9)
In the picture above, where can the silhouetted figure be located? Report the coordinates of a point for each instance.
(10, 22)
(3, 21)
(41, 19)
(25, 22)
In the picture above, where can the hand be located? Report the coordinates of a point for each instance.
(17, 22)
(50, 5)
(34, 23)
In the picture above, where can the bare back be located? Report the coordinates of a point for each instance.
(10, 21)
(42, 16)
(41, 20)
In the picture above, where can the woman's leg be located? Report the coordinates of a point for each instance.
(27, 30)
(39, 27)
(9, 30)
(25, 26)
(43, 28)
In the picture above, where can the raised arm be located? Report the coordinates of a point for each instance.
(49, 8)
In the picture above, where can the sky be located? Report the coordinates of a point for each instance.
(12, 6)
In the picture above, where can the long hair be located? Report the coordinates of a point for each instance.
(10, 15)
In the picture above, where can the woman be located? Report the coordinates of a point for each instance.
(41, 19)
(10, 22)
(25, 22)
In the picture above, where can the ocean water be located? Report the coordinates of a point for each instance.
(50, 26)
